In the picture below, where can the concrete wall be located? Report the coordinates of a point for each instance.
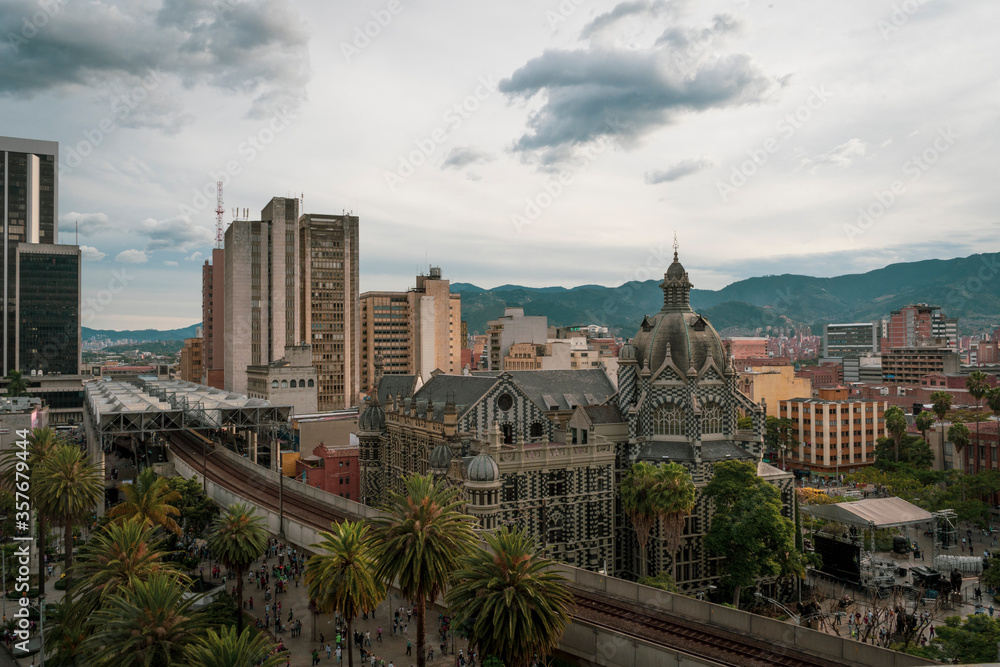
(616, 650)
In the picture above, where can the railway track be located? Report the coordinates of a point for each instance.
(620, 616)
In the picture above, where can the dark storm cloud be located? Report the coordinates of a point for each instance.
(678, 171)
(254, 48)
(594, 93)
(463, 156)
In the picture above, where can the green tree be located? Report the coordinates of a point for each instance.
(151, 499)
(779, 434)
(16, 384)
(67, 490)
(924, 421)
(41, 443)
(675, 498)
(748, 529)
(149, 624)
(941, 404)
(744, 423)
(116, 557)
(958, 434)
(969, 641)
(197, 511)
(237, 539)
(341, 575)
(639, 491)
(978, 384)
(228, 649)
(420, 541)
(913, 453)
(512, 598)
(895, 424)
(664, 581)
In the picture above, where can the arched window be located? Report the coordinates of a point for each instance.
(292, 385)
(284, 384)
(668, 420)
(310, 383)
(536, 430)
(274, 384)
(508, 433)
(711, 418)
(302, 383)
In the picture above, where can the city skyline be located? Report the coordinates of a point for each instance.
(567, 141)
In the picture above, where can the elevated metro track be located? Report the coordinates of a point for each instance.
(694, 642)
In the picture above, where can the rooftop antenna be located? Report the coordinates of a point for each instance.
(77, 232)
(219, 212)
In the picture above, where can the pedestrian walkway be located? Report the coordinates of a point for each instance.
(321, 630)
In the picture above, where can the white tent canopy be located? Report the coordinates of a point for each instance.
(871, 513)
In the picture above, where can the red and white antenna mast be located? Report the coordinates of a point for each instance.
(219, 211)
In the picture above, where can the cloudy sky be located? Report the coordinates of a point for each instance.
(558, 142)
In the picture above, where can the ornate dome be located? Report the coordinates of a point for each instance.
(372, 417)
(482, 468)
(440, 458)
(677, 331)
(627, 353)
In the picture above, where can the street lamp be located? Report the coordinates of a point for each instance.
(777, 604)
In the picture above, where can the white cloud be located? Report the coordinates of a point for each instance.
(90, 254)
(169, 262)
(131, 257)
(87, 224)
(678, 171)
(195, 257)
(841, 156)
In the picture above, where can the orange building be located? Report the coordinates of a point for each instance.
(834, 436)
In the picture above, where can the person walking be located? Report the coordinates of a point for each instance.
(409, 645)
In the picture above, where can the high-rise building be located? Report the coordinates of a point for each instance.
(514, 327)
(258, 281)
(192, 360)
(213, 320)
(330, 312)
(917, 325)
(47, 308)
(850, 340)
(414, 332)
(29, 204)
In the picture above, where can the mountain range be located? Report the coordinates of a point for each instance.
(964, 287)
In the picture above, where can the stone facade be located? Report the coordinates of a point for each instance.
(291, 380)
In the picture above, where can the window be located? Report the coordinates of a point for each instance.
(310, 383)
(667, 420)
(292, 385)
(711, 418)
(505, 402)
(536, 430)
(284, 384)
(274, 384)
(508, 434)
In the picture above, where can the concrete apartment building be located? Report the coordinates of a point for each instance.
(213, 320)
(850, 340)
(330, 311)
(772, 384)
(191, 367)
(513, 327)
(906, 366)
(291, 380)
(917, 325)
(835, 435)
(414, 332)
(742, 348)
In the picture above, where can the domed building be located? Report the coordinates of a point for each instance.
(678, 396)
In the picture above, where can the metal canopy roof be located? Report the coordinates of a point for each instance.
(871, 512)
(148, 405)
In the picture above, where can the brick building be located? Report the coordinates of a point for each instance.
(333, 469)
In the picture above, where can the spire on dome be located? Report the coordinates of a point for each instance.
(675, 245)
(676, 286)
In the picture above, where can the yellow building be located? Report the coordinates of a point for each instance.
(773, 384)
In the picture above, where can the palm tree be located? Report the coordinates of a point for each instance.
(675, 502)
(923, 421)
(65, 636)
(420, 541)
(341, 576)
(67, 491)
(238, 538)
(978, 383)
(959, 436)
(41, 443)
(228, 649)
(512, 599)
(941, 404)
(116, 557)
(149, 498)
(16, 385)
(149, 624)
(639, 500)
(895, 424)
